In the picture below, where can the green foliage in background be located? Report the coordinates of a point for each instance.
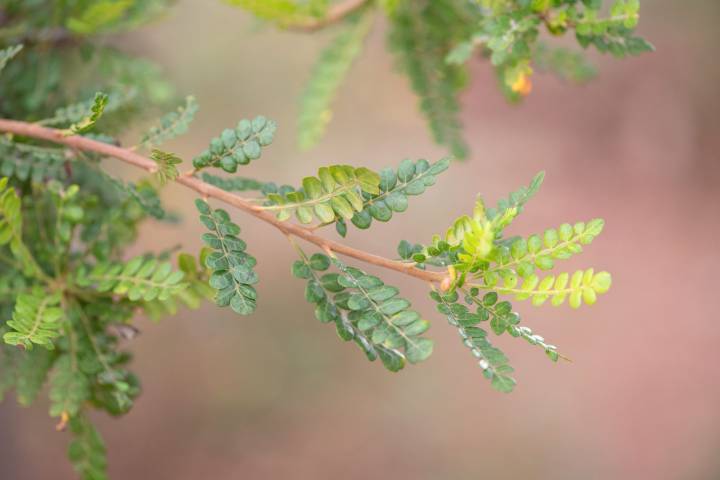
(434, 41)
(327, 76)
(69, 293)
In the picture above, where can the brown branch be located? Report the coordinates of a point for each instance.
(335, 14)
(209, 191)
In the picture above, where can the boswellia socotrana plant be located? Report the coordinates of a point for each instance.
(68, 293)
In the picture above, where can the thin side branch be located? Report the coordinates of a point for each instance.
(209, 191)
(335, 14)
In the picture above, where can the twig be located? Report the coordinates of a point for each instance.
(209, 191)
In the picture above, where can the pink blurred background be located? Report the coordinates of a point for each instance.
(277, 394)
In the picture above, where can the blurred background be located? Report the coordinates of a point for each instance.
(277, 395)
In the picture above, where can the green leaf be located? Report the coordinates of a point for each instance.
(320, 290)
(86, 123)
(375, 309)
(69, 387)
(565, 63)
(502, 319)
(9, 359)
(283, 12)
(490, 359)
(393, 360)
(411, 178)
(172, 124)
(533, 339)
(613, 34)
(237, 146)
(336, 193)
(30, 162)
(7, 54)
(462, 52)
(87, 450)
(421, 36)
(365, 310)
(584, 287)
(405, 249)
(328, 73)
(541, 252)
(117, 101)
(319, 262)
(144, 194)
(32, 370)
(518, 198)
(235, 184)
(232, 274)
(167, 171)
(419, 350)
(36, 319)
(140, 279)
(242, 304)
(503, 383)
(11, 229)
(301, 269)
(197, 290)
(99, 16)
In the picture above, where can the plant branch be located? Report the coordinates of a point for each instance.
(335, 14)
(209, 191)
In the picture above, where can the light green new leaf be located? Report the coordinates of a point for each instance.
(525, 256)
(284, 12)
(336, 193)
(11, 229)
(36, 319)
(96, 110)
(139, 279)
(76, 112)
(582, 287)
(197, 290)
(166, 161)
(98, 16)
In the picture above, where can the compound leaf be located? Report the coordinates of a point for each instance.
(237, 146)
(36, 319)
(172, 124)
(232, 274)
(88, 121)
(140, 279)
(327, 75)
